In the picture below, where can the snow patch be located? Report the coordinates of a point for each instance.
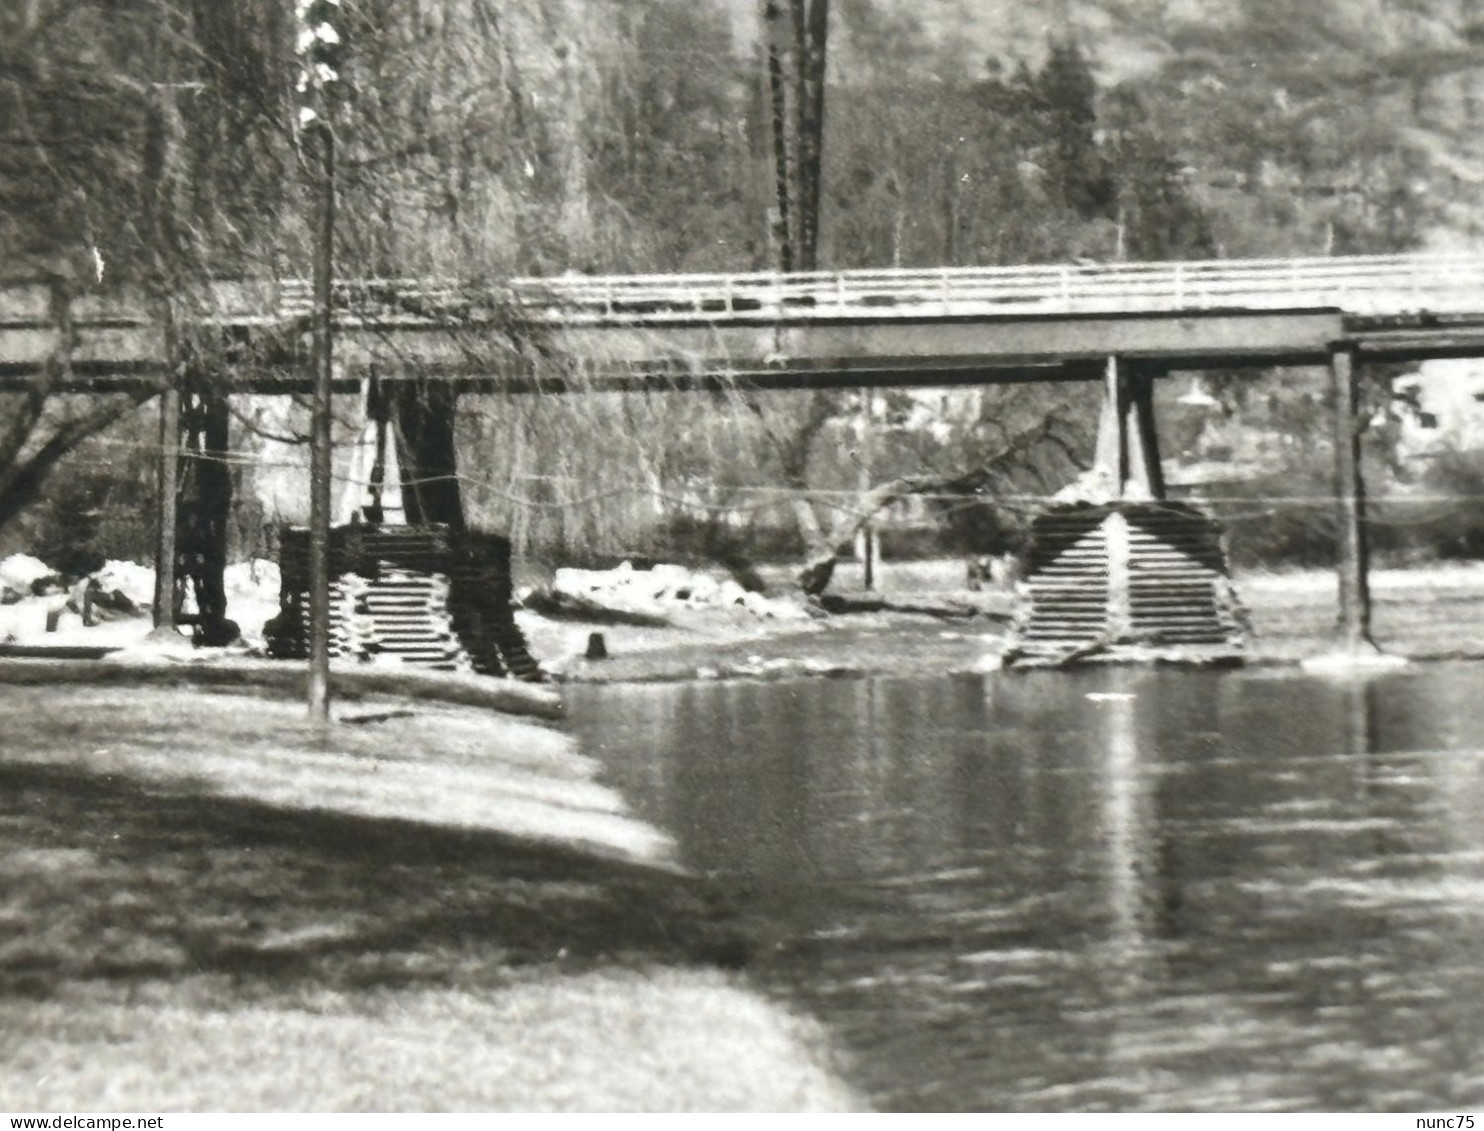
(123, 595)
(664, 588)
(128, 579)
(21, 571)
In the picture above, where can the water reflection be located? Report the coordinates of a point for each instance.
(1127, 843)
(1120, 889)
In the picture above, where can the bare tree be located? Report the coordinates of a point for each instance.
(111, 182)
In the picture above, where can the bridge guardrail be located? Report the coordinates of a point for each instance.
(1391, 285)
(1366, 285)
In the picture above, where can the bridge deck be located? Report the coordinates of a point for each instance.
(855, 327)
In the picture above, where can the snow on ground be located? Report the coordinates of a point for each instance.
(127, 579)
(20, 572)
(664, 589)
(253, 588)
(25, 623)
(252, 598)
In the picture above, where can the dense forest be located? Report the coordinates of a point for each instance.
(156, 144)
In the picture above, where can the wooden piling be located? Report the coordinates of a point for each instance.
(866, 540)
(205, 507)
(1352, 549)
(1127, 445)
(1147, 470)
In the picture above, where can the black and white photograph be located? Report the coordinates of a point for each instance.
(802, 556)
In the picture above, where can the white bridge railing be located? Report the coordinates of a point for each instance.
(1371, 285)
(1367, 286)
(1377, 286)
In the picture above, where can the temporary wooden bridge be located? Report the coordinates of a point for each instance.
(947, 326)
(1123, 324)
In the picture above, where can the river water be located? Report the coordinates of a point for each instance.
(1111, 889)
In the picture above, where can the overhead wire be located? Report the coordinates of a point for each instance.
(762, 497)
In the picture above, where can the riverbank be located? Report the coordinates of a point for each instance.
(208, 904)
(1423, 613)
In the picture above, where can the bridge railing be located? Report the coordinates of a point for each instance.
(1377, 285)
(1381, 285)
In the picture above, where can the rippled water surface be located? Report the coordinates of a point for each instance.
(1106, 890)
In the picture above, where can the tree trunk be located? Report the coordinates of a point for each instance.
(796, 70)
(819, 547)
(819, 550)
(813, 27)
(772, 15)
(576, 210)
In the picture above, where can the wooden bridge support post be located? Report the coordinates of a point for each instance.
(1128, 445)
(1145, 447)
(1352, 547)
(166, 486)
(378, 408)
(865, 546)
(424, 418)
(205, 513)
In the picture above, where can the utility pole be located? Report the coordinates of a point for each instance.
(320, 468)
(319, 46)
(166, 488)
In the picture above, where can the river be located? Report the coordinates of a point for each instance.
(1113, 889)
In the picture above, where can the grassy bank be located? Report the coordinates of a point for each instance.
(1425, 612)
(393, 759)
(206, 904)
(611, 1040)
